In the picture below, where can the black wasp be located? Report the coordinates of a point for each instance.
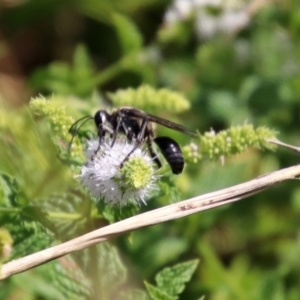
(137, 126)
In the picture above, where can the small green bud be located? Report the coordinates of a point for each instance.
(149, 99)
(58, 119)
(234, 140)
(191, 153)
(228, 142)
(137, 173)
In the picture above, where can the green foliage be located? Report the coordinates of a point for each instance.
(61, 78)
(113, 213)
(170, 281)
(235, 140)
(58, 119)
(128, 34)
(39, 228)
(147, 98)
(9, 190)
(236, 86)
(26, 222)
(156, 294)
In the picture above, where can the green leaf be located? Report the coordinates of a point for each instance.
(38, 214)
(81, 58)
(64, 79)
(134, 294)
(128, 33)
(272, 287)
(172, 280)
(35, 284)
(29, 237)
(157, 294)
(114, 214)
(68, 280)
(105, 269)
(83, 73)
(8, 189)
(111, 265)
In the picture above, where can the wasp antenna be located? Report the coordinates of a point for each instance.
(70, 144)
(76, 122)
(75, 131)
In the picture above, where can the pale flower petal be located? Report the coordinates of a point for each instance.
(102, 174)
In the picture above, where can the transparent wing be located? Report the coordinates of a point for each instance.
(133, 112)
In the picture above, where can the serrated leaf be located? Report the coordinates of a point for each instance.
(29, 237)
(70, 279)
(59, 279)
(104, 267)
(8, 189)
(172, 280)
(33, 212)
(114, 214)
(157, 294)
(128, 33)
(111, 265)
(133, 295)
(71, 204)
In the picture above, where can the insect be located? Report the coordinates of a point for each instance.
(137, 126)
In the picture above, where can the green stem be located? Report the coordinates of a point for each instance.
(65, 216)
(112, 71)
(69, 216)
(9, 210)
(52, 215)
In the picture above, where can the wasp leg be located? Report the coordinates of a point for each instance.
(139, 140)
(101, 137)
(74, 129)
(116, 130)
(153, 153)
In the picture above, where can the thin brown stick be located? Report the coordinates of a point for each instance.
(288, 146)
(170, 212)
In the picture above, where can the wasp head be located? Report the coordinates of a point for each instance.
(103, 122)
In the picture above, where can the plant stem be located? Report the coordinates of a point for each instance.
(9, 210)
(113, 70)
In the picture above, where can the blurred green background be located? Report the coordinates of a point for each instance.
(236, 61)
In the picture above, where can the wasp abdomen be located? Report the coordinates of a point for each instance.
(171, 152)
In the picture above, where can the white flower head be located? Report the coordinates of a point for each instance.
(107, 176)
(212, 16)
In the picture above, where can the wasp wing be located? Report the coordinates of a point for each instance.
(133, 112)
